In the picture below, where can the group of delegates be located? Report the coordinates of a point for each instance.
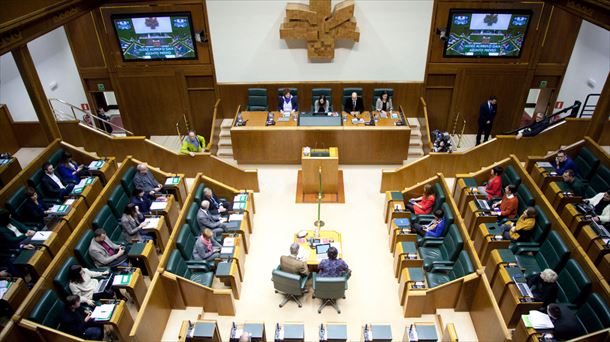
(423, 206)
(354, 104)
(211, 219)
(59, 183)
(333, 266)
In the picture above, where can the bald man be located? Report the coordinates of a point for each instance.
(353, 105)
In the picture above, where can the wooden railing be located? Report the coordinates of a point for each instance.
(424, 109)
(172, 161)
(485, 154)
(213, 130)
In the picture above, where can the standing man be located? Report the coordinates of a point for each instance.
(487, 113)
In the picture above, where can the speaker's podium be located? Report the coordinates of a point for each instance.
(324, 163)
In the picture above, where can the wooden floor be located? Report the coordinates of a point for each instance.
(339, 197)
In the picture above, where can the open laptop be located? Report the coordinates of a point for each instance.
(481, 203)
(599, 229)
(103, 284)
(522, 286)
(321, 250)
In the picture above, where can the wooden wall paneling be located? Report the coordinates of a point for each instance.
(157, 308)
(559, 37)
(85, 43)
(8, 140)
(29, 134)
(485, 313)
(439, 108)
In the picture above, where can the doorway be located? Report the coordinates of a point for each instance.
(538, 100)
(106, 101)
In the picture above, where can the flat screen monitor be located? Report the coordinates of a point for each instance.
(322, 248)
(159, 36)
(488, 33)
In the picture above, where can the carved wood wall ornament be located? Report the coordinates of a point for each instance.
(320, 27)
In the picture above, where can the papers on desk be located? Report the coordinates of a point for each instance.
(543, 164)
(4, 286)
(236, 217)
(394, 116)
(4, 161)
(172, 181)
(158, 205)
(227, 250)
(70, 201)
(3, 291)
(41, 236)
(228, 242)
(59, 209)
(152, 222)
(303, 254)
(240, 198)
(103, 312)
(357, 121)
(96, 164)
(538, 320)
(122, 279)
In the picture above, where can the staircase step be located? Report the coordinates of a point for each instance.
(224, 152)
(413, 122)
(224, 133)
(226, 123)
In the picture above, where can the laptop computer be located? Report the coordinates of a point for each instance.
(321, 250)
(103, 284)
(600, 230)
(522, 286)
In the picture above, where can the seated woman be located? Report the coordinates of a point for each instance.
(13, 234)
(83, 283)
(132, 226)
(69, 170)
(424, 203)
(544, 286)
(493, 187)
(206, 248)
(508, 205)
(601, 207)
(384, 103)
(34, 210)
(518, 231)
(141, 201)
(321, 105)
(433, 229)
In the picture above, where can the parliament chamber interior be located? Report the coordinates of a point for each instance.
(305, 170)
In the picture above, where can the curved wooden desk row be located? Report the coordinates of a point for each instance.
(281, 143)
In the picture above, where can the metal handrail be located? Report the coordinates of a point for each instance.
(95, 117)
(587, 105)
(574, 112)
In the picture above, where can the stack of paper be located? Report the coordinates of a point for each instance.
(227, 250)
(152, 222)
(228, 242)
(240, 198)
(122, 279)
(544, 164)
(157, 205)
(96, 164)
(172, 181)
(539, 320)
(69, 201)
(103, 312)
(59, 209)
(236, 217)
(41, 236)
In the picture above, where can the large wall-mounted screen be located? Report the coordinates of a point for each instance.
(161, 36)
(490, 33)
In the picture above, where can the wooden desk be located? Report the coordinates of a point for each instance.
(293, 331)
(512, 307)
(136, 287)
(324, 234)
(604, 266)
(121, 321)
(60, 232)
(408, 278)
(281, 144)
(573, 218)
(593, 244)
(203, 331)
(394, 200)
(405, 254)
(148, 257)
(77, 210)
(525, 334)
(336, 332)
(8, 171)
(15, 294)
(106, 171)
(177, 189)
(398, 234)
(381, 332)
(170, 212)
(228, 273)
(542, 177)
(426, 332)
(91, 192)
(255, 329)
(473, 217)
(161, 232)
(242, 231)
(34, 261)
(558, 198)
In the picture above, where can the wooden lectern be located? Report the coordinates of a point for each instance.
(328, 161)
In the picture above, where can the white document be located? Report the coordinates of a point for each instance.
(69, 201)
(3, 291)
(540, 320)
(152, 222)
(41, 236)
(226, 250)
(158, 205)
(303, 254)
(543, 164)
(120, 279)
(228, 242)
(3, 283)
(236, 217)
(103, 312)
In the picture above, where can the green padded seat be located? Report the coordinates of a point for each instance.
(34, 179)
(317, 92)
(553, 254)
(34, 182)
(510, 176)
(127, 180)
(191, 214)
(81, 250)
(118, 200)
(586, 161)
(599, 182)
(257, 99)
(107, 221)
(55, 158)
(377, 92)
(447, 249)
(441, 274)
(199, 193)
(198, 273)
(293, 91)
(447, 214)
(185, 241)
(47, 310)
(347, 93)
(574, 284)
(61, 280)
(594, 314)
(525, 197)
(470, 182)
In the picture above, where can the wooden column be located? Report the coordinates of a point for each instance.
(601, 113)
(29, 75)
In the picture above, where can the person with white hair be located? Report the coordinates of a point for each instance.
(144, 179)
(544, 286)
(291, 264)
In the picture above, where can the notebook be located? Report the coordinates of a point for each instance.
(103, 312)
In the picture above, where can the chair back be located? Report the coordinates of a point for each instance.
(347, 93)
(448, 215)
(293, 91)
(118, 200)
(81, 250)
(462, 266)
(61, 281)
(317, 92)
(14, 204)
(127, 179)
(191, 215)
(439, 196)
(510, 176)
(452, 244)
(199, 193)
(185, 241)
(541, 227)
(46, 311)
(56, 157)
(586, 161)
(287, 283)
(378, 91)
(525, 198)
(594, 314)
(177, 265)
(106, 220)
(553, 253)
(257, 99)
(330, 287)
(574, 284)
(600, 181)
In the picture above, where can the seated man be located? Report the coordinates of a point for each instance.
(332, 267)
(518, 231)
(206, 248)
(192, 144)
(216, 205)
(291, 264)
(33, 209)
(205, 219)
(564, 321)
(508, 204)
(577, 187)
(106, 253)
(353, 104)
(433, 229)
(563, 162)
(76, 321)
(145, 180)
(601, 206)
(52, 186)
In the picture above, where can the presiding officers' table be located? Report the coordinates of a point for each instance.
(282, 143)
(307, 251)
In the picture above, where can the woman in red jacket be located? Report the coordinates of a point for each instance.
(493, 188)
(423, 204)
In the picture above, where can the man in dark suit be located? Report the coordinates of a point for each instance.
(487, 113)
(217, 206)
(52, 186)
(205, 219)
(564, 321)
(288, 102)
(353, 104)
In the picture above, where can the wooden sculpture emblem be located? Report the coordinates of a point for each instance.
(320, 27)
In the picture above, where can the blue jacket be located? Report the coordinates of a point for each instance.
(568, 164)
(65, 173)
(142, 203)
(293, 100)
(438, 231)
